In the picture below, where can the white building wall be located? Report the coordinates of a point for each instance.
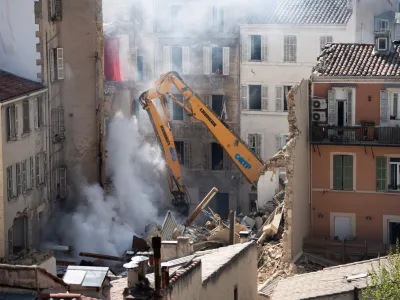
(18, 39)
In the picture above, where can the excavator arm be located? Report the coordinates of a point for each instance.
(244, 158)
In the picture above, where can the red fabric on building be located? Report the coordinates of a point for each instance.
(111, 59)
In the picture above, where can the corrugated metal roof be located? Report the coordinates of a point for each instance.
(86, 276)
(169, 226)
(17, 296)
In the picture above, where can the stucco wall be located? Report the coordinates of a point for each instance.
(17, 38)
(188, 286)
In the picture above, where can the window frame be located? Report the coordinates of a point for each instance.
(26, 118)
(332, 154)
(388, 170)
(287, 50)
(251, 47)
(249, 96)
(383, 21)
(391, 104)
(386, 43)
(260, 147)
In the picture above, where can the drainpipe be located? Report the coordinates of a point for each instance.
(156, 243)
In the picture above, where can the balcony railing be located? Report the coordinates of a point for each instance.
(355, 135)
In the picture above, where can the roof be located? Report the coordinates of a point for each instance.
(307, 12)
(12, 86)
(86, 276)
(348, 59)
(326, 282)
(70, 296)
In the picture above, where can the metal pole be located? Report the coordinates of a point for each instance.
(201, 206)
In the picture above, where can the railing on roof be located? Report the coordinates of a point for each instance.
(355, 135)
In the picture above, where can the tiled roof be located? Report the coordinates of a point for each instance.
(341, 59)
(326, 282)
(12, 86)
(301, 12)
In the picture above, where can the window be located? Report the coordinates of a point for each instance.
(281, 97)
(18, 178)
(286, 89)
(140, 68)
(217, 157)
(55, 10)
(394, 106)
(217, 104)
(382, 43)
(25, 115)
(37, 165)
(24, 176)
(281, 140)
(323, 40)
(340, 107)
(32, 172)
(255, 97)
(254, 142)
(383, 25)
(217, 60)
(177, 59)
(235, 292)
(343, 172)
(57, 123)
(394, 174)
(180, 151)
(63, 182)
(253, 202)
(177, 111)
(218, 19)
(255, 47)
(12, 122)
(39, 120)
(52, 65)
(290, 49)
(58, 63)
(9, 183)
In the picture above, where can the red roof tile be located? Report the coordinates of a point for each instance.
(340, 59)
(12, 86)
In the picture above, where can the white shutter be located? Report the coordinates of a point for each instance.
(36, 110)
(51, 64)
(63, 182)
(134, 54)
(350, 107)
(331, 107)
(16, 119)
(207, 60)
(185, 60)
(278, 98)
(60, 63)
(244, 94)
(384, 107)
(167, 59)
(264, 99)
(225, 60)
(245, 48)
(264, 48)
(61, 125)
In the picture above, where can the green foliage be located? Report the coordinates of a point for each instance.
(383, 283)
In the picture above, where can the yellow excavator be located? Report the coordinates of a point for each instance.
(244, 158)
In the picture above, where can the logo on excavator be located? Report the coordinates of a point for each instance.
(165, 135)
(172, 151)
(242, 161)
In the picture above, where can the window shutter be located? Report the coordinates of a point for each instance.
(51, 64)
(23, 177)
(278, 99)
(264, 48)
(10, 241)
(264, 101)
(187, 151)
(331, 107)
(63, 183)
(207, 100)
(283, 140)
(45, 166)
(36, 110)
(134, 55)
(37, 165)
(244, 90)
(54, 184)
(16, 119)
(225, 60)
(58, 10)
(381, 163)
(245, 48)
(60, 63)
(185, 60)
(207, 60)
(259, 144)
(32, 170)
(61, 125)
(167, 59)
(224, 113)
(348, 172)
(337, 172)
(278, 141)
(350, 107)
(18, 177)
(384, 106)
(53, 122)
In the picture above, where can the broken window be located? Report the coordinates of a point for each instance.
(20, 234)
(255, 97)
(177, 111)
(323, 40)
(221, 204)
(254, 142)
(343, 172)
(217, 60)
(394, 174)
(255, 47)
(9, 183)
(217, 104)
(290, 49)
(177, 59)
(140, 68)
(25, 115)
(217, 157)
(12, 122)
(180, 151)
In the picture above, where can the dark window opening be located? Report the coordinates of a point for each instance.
(217, 60)
(394, 183)
(177, 59)
(20, 235)
(382, 44)
(221, 204)
(140, 68)
(394, 232)
(177, 113)
(340, 116)
(179, 146)
(217, 104)
(255, 97)
(256, 47)
(235, 293)
(286, 90)
(253, 202)
(217, 157)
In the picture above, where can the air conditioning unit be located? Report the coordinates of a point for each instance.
(319, 104)
(318, 116)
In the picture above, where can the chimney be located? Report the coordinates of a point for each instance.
(244, 236)
(156, 243)
(136, 270)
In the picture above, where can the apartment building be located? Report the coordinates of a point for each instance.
(354, 137)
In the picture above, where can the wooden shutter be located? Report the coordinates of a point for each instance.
(16, 119)
(61, 125)
(63, 182)
(51, 65)
(278, 141)
(264, 98)
(185, 60)
(54, 184)
(337, 172)
(45, 168)
(384, 107)
(381, 163)
(37, 165)
(350, 107)
(207, 58)
(53, 122)
(18, 177)
(36, 111)
(278, 99)
(332, 107)
(32, 171)
(23, 176)
(187, 151)
(244, 94)
(167, 58)
(245, 48)
(60, 63)
(57, 10)
(225, 60)
(264, 48)
(347, 172)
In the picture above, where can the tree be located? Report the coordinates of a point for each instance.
(383, 282)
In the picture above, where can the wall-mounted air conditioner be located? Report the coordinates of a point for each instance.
(318, 104)
(318, 116)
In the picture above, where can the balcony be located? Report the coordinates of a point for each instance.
(355, 135)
